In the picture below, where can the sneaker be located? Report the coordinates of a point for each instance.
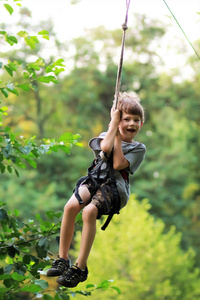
(72, 277)
(59, 266)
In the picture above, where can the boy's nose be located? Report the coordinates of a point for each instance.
(132, 122)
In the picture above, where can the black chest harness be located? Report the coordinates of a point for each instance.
(97, 181)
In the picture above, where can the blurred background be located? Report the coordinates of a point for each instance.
(159, 65)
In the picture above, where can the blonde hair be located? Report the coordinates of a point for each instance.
(130, 104)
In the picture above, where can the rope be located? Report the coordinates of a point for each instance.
(181, 29)
(119, 72)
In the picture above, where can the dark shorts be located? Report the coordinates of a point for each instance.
(102, 198)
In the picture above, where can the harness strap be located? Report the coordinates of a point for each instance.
(116, 202)
(95, 181)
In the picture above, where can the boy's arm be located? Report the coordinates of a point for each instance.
(107, 143)
(113, 139)
(119, 160)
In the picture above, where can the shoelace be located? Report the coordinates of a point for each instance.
(73, 273)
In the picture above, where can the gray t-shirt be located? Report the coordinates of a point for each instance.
(133, 152)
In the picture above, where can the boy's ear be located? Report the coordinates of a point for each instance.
(141, 124)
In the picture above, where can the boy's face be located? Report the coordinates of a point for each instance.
(129, 126)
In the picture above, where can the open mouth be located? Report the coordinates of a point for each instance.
(131, 130)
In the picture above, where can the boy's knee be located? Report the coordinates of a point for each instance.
(89, 213)
(72, 206)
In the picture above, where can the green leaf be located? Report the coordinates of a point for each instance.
(2, 32)
(25, 150)
(58, 71)
(16, 172)
(14, 65)
(31, 41)
(59, 62)
(10, 88)
(16, 212)
(9, 70)
(2, 168)
(9, 168)
(42, 283)
(90, 286)
(66, 137)
(9, 282)
(18, 277)
(11, 40)
(24, 87)
(3, 108)
(47, 297)
(7, 129)
(12, 251)
(23, 34)
(104, 284)
(9, 8)
(31, 162)
(33, 288)
(3, 290)
(27, 259)
(51, 214)
(26, 75)
(34, 66)
(116, 289)
(1, 65)
(44, 33)
(5, 92)
(47, 79)
(42, 246)
(5, 276)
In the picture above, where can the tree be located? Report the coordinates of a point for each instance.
(145, 262)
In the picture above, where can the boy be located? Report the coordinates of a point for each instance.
(127, 155)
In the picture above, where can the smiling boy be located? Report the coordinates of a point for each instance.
(117, 146)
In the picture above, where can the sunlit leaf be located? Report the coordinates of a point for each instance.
(44, 33)
(23, 34)
(47, 79)
(9, 70)
(33, 288)
(31, 41)
(24, 87)
(9, 8)
(11, 40)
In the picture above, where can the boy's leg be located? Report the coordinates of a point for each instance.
(72, 208)
(89, 217)
(79, 272)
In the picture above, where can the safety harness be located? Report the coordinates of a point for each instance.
(96, 180)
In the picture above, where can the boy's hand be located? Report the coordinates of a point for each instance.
(115, 115)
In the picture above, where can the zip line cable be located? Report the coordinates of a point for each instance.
(119, 72)
(182, 29)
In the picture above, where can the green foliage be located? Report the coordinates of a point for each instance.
(15, 150)
(24, 249)
(145, 262)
